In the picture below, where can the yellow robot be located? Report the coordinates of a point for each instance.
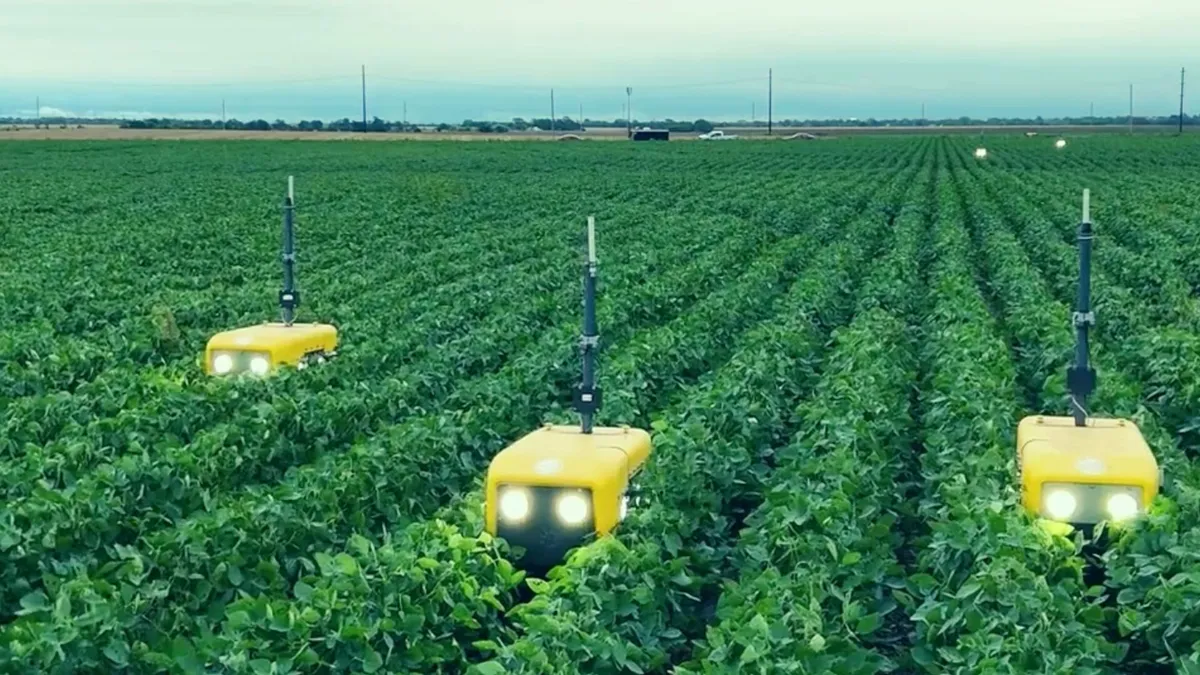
(555, 487)
(1082, 470)
(262, 349)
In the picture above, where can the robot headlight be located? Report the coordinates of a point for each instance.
(1121, 507)
(222, 363)
(227, 363)
(514, 505)
(1090, 503)
(1061, 504)
(260, 364)
(981, 153)
(572, 508)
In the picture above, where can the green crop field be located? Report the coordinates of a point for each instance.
(832, 342)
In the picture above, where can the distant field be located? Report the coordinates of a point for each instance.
(105, 132)
(833, 343)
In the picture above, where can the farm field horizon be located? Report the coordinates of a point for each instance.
(832, 344)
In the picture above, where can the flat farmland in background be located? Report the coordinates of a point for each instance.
(111, 132)
(832, 342)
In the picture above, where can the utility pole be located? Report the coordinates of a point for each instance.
(38, 114)
(1131, 108)
(1181, 73)
(222, 114)
(753, 116)
(922, 113)
(364, 97)
(770, 98)
(551, 110)
(1092, 110)
(405, 121)
(581, 117)
(629, 112)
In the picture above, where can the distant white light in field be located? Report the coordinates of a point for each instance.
(981, 153)
(1060, 144)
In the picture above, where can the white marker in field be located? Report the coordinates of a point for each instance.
(1060, 143)
(1087, 205)
(980, 153)
(291, 190)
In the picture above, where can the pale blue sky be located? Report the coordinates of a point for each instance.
(486, 59)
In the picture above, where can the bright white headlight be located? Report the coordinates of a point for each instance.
(1061, 504)
(222, 363)
(1122, 506)
(259, 365)
(514, 505)
(981, 153)
(572, 509)
(1060, 144)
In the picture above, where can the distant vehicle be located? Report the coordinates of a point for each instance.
(717, 135)
(800, 136)
(647, 134)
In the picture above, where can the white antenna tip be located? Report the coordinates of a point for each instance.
(1087, 206)
(591, 233)
(291, 190)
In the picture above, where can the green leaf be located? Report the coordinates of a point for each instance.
(922, 655)
(868, 624)
(372, 661)
(488, 668)
(34, 602)
(359, 544)
(302, 591)
(117, 651)
(925, 583)
(817, 643)
(851, 557)
(759, 624)
(346, 564)
(749, 655)
(261, 666)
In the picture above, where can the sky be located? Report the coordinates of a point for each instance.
(489, 59)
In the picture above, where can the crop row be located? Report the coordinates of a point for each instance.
(396, 462)
(412, 646)
(1148, 570)
(817, 566)
(87, 527)
(144, 492)
(1037, 320)
(992, 592)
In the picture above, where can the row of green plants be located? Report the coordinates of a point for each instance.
(1146, 574)
(992, 592)
(817, 570)
(464, 515)
(147, 492)
(408, 457)
(638, 602)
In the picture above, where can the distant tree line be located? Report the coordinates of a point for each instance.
(567, 124)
